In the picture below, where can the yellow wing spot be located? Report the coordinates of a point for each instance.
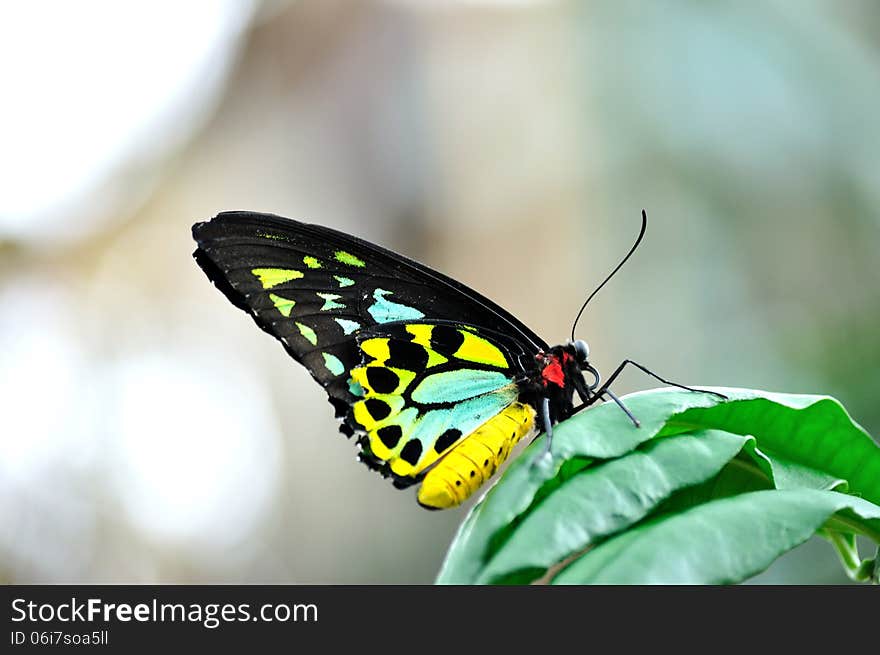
(308, 333)
(422, 336)
(347, 258)
(311, 262)
(400, 426)
(376, 348)
(369, 380)
(365, 412)
(272, 277)
(283, 305)
(477, 349)
(475, 458)
(379, 449)
(402, 468)
(359, 375)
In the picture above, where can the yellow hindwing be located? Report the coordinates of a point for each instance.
(473, 461)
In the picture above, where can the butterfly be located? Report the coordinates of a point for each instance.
(436, 382)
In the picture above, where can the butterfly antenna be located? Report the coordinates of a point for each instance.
(611, 275)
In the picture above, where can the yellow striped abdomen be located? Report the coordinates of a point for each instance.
(468, 465)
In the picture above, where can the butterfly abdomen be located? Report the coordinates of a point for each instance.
(475, 459)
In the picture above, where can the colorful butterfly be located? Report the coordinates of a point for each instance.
(438, 382)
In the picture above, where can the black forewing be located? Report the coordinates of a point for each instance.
(233, 244)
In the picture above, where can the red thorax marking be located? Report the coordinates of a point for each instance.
(552, 371)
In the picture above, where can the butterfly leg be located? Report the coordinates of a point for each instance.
(623, 407)
(545, 419)
(604, 388)
(545, 458)
(604, 391)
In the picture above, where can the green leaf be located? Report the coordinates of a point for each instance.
(806, 434)
(599, 433)
(739, 475)
(800, 442)
(605, 499)
(720, 542)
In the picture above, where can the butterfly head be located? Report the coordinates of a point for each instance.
(582, 353)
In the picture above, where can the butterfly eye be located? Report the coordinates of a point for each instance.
(582, 350)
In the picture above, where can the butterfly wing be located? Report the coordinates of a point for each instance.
(409, 358)
(422, 387)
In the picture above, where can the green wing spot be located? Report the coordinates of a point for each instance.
(333, 364)
(348, 258)
(454, 386)
(355, 388)
(347, 326)
(311, 262)
(283, 305)
(272, 277)
(386, 311)
(308, 333)
(330, 301)
(271, 236)
(344, 281)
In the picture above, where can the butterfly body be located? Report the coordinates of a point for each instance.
(437, 382)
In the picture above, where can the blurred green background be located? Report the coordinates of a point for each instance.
(150, 433)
